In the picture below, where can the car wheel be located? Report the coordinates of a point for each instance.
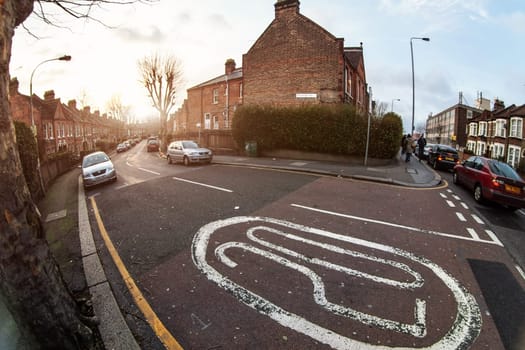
(169, 159)
(478, 194)
(186, 161)
(455, 178)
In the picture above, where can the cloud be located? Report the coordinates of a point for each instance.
(141, 34)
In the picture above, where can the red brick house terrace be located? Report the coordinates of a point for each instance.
(499, 134)
(294, 62)
(61, 127)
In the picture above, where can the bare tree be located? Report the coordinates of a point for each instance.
(30, 281)
(118, 110)
(161, 76)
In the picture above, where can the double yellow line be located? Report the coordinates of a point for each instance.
(155, 323)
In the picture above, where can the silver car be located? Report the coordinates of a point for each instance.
(188, 152)
(97, 168)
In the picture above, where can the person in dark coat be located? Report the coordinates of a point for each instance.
(421, 142)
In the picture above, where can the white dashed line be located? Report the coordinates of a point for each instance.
(204, 185)
(461, 217)
(443, 195)
(451, 204)
(493, 236)
(477, 219)
(473, 233)
(464, 205)
(149, 171)
(456, 197)
(520, 272)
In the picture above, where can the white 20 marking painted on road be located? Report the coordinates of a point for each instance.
(463, 332)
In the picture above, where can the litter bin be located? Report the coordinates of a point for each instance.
(250, 148)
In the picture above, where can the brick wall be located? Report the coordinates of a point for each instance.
(293, 56)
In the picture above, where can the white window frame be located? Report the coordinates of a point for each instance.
(513, 156)
(215, 122)
(482, 130)
(215, 96)
(498, 150)
(207, 121)
(473, 129)
(516, 127)
(500, 128)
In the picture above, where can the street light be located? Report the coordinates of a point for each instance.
(394, 99)
(61, 58)
(33, 126)
(413, 83)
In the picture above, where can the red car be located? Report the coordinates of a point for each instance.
(491, 180)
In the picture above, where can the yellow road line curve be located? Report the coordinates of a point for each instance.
(155, 323)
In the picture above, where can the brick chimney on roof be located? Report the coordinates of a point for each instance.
(498, 105)
(229, 66)
(13, 86)
(72, 104)
(87, 109)
(286, 7)
(49, 95)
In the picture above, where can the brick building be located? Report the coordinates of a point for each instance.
(294, 61)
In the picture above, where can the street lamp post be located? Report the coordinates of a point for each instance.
(394, 99)
(413, 83)
(33, 126)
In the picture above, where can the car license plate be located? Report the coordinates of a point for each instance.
(512, 189)
(449, 159)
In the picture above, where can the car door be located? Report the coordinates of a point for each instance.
(468, 175)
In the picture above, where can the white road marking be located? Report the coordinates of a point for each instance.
(464, 205)
(460, 217)
(493, 236)
(520, 272)
(473, 233)
(443, 195)
(408, 228)
(149, 171)
(204, 185)
(449, 190)
(456, 197)
(464, 329)
(451, 204)
(478, 219)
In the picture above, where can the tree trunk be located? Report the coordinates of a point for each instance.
(30, 281)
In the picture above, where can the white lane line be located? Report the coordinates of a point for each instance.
(464, 205)
(460, 217)
(493, 236)
(149, 171)
(478, 219)
(473, 233)
(443, 195)
(522, 212)
(520, 272)
(451, 204)
(449, 190)
(456, 197)
(414, 229)
(204, 185)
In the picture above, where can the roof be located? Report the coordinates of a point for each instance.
(236, 74)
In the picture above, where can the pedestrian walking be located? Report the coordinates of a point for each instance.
(421, 143)
(409, 147)
(403, 144)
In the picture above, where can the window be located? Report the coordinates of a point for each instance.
(500, 128)
(207, 121)
(473, 129)
(215, 122)
(215, 96)
(469, 115)
(516, 127)
(471, 145)
(482, 129)
(498, 150)
(513, 158)
(240, 90)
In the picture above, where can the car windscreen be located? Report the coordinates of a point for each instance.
(503, 169)
(94, 159)
(447, 149)
(189, 144)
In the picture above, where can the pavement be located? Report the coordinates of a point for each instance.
(66, 221)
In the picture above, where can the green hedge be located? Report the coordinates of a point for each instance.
(28, 152)
(334, 129)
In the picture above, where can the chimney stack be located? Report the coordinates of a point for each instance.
(284, 7)
(229, 66)
(49, 95)
(13, 86)
(72, 104)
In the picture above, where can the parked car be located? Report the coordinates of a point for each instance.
(152, 145)
(442, 157)
(426, 149)
(121, 147)
(97, 168)
(188, 152)
(491, 180)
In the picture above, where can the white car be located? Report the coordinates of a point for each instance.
(97, 168)
(188, 152)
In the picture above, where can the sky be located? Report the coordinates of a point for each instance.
(476, 47)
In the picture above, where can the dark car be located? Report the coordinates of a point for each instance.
(491, 180)
(152, 145)
(442, 157)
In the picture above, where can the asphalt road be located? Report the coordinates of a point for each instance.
(241, 258)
